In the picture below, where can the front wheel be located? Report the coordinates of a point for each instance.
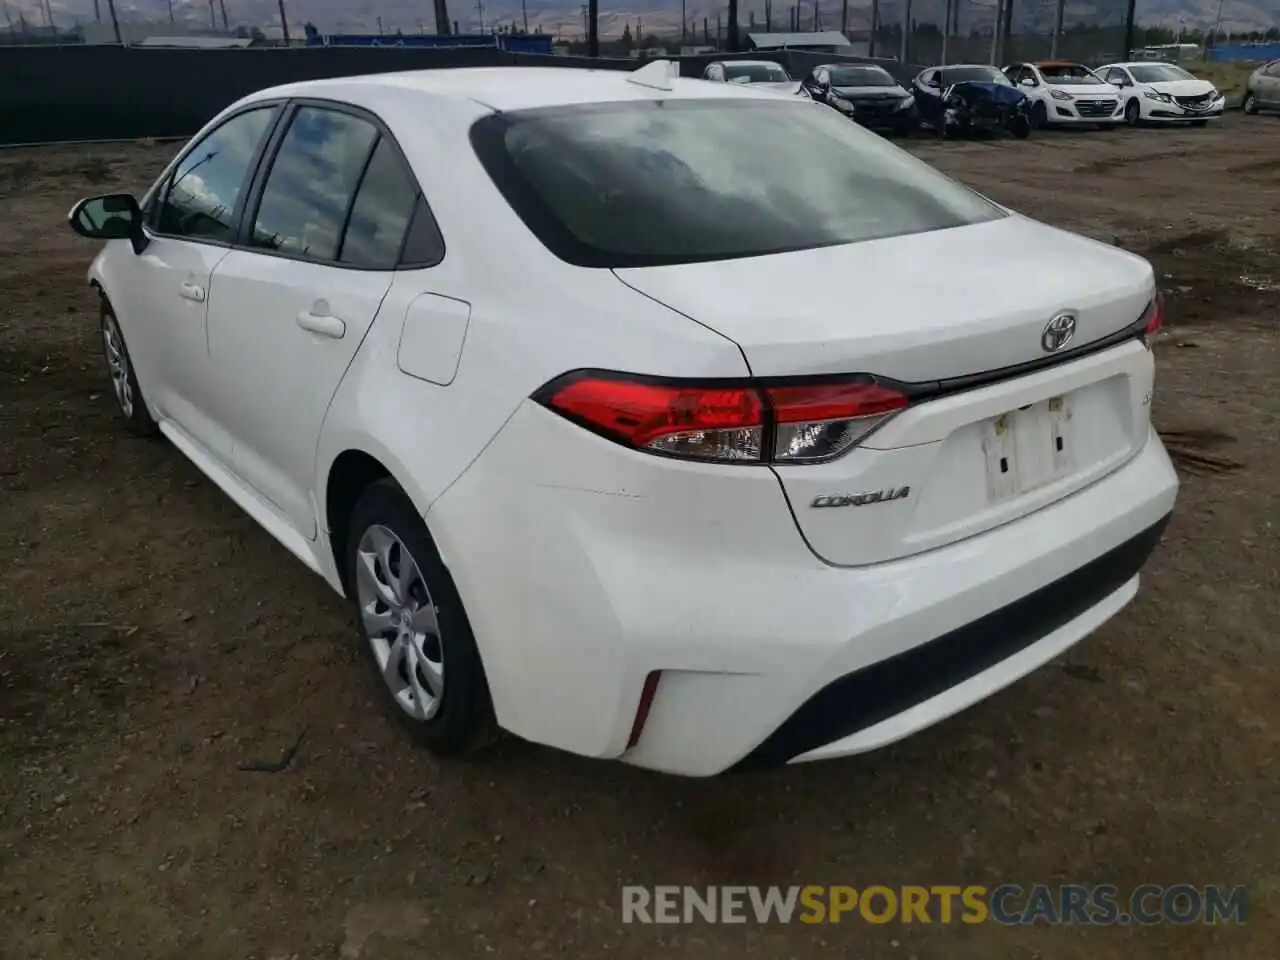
(1250, 104)
(1132, 113)
(1198, 123)
(124, 380)
(1039, 116)
(415, 628)
(1020, 127)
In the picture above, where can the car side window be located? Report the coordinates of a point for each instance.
(380, 215)
(929, 78)
(312, 181)
(201, 195)
(1116, 75)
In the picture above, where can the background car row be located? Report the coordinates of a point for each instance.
(961, 99)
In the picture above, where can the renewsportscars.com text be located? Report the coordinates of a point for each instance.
(1010, 904)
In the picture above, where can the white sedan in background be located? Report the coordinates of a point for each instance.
(1067, 94)
(618, 434)
(1163, 93)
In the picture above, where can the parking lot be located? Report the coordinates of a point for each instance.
(154, 642)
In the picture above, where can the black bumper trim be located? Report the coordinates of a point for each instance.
(866, 697)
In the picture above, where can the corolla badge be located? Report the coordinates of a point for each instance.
(1058, 332)
(860, 499)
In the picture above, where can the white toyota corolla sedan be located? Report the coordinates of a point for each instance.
(647, 418)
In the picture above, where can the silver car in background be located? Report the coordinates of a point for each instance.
(1262, 92)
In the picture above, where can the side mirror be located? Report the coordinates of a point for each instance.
(114, 216)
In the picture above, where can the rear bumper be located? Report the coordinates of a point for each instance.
(585, 567)
(874, 705)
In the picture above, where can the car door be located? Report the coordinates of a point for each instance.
(1269, 85)
(929, 95)
(191, 218)
(319, 245)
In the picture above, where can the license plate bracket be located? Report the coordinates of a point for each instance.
(1027, 448)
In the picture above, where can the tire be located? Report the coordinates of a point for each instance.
(445, 706)
(130, 403)
(1250, 104)
(1133, 112)
(1020, 127)
(904, 130)
(1039, 115)
(1199, 123)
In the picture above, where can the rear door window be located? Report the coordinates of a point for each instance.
(312, 182)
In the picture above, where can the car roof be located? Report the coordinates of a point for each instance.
(1056, 63)
(748, 63)
(511, 88)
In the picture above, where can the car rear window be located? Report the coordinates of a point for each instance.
(679, 181)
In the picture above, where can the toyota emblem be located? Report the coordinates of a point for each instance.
(1058, 332)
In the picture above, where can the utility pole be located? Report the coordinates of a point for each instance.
(593, 28)
(946, 29)
(97, 12)
(875, 26)
(733, 26)
(480, 13)
(768, 16)
(844, 16)
(524, 12)
(284, 22)
(95, 3)
(442, 18)
(1213, 37)
(222, 6)
(115, 22)
(1057, 29)
(1008, 30)
(906, 32)
(1128, 30)
(995, 30)
(684, 21)
(213, 22)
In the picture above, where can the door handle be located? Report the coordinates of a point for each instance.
(192, 291)
(322, 324)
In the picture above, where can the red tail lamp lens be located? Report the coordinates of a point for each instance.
(1154, 316)
(801, 423)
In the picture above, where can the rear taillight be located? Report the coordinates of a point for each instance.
(1153, 318)
(729, 423)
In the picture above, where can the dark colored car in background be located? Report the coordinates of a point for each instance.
(866, 93)
(964, 99)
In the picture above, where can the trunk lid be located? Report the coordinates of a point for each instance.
(939, 307)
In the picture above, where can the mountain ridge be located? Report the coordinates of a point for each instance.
(657, 16)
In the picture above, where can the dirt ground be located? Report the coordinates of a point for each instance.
(153, 639)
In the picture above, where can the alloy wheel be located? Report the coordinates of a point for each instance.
(400, 621)
(118, 364)
(1132, 113)
(1250, 104)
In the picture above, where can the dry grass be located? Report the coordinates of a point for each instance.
(1230, 78)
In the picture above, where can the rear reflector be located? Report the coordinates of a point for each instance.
(726, 423)
(647, 693)
(1153, 319)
